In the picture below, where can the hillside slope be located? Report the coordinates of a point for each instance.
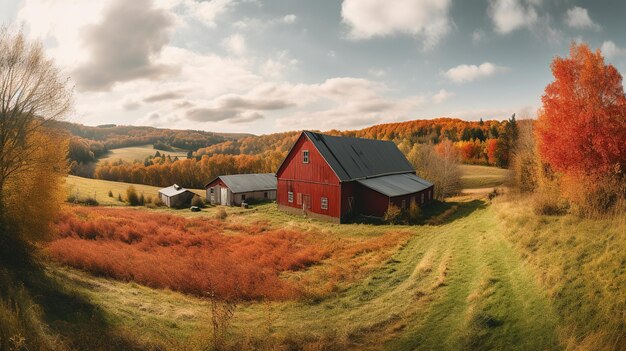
(460, 285)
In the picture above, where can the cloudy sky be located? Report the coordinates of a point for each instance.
(262, 66)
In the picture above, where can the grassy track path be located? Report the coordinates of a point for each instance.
(489, 301)
(455, 286)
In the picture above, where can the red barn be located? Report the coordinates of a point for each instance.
(334, 178)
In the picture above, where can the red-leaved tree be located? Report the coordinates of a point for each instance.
(581, 129)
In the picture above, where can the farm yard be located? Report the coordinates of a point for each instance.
(474, 274)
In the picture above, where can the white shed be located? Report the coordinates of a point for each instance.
(232, 190)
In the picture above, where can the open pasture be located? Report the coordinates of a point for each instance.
(478, 177)
(139, 153)
(99, 190)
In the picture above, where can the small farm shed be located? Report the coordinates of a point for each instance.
(334, 178)
(176, 196)
(232, 190)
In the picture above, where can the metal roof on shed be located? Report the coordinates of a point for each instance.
(358, 158)
(173, 190)
(243, 183)
(396, 184)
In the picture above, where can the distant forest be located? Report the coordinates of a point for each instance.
(211, 154)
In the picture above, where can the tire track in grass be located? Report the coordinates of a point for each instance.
(489, 300)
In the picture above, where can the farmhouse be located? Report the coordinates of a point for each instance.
(334, 178)
(232, 190)
(176, 196)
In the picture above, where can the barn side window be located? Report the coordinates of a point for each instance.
(324, 203)
(403, 204)
(243, 197)
(422, 197)
(211, 191)
(305, 156)
(290, 196)
(265, 194)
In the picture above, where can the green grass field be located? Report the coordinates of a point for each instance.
(99, 189)
(139, 153)
(492, 277)
(479, 177)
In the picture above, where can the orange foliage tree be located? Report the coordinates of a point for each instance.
(582, 127)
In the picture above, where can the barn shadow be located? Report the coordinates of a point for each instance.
(447, 212)
(79, 324)
(434, 213)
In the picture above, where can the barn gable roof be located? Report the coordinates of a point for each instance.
(243, 183)
(174, 190)
(358, 158)
(397, 184)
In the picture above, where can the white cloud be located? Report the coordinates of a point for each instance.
(235, 44)
(478, 36)
(136, 26)
(509, 15)
(61, 22)
(289, 19)
(611, 50)
(442, 96)
(277, 66)
(242, 90)
(207, 11)
(578, 17)
(467, 73)
(428, 19)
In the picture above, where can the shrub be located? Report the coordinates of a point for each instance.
(119, 198)
(197, 201)
(393, 214)
(549, 204)
(142, 200)
(415, 212)
(110, 193)
(87, 201)
(594, 197)
(131, 196)
(165, 251)
(221, 213)
(158, 202)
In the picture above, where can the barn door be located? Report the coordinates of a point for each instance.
(224, 196)
(306, 202)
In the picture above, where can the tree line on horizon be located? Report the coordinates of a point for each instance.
(472, 142)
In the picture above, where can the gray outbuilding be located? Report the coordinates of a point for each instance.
(176, 196)
(232, 190)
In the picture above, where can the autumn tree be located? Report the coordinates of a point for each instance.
(582, 126)
(439, 165)
(581, 130)
(32, 156)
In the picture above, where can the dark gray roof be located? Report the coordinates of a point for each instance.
(174, 190)
(357, 158)
(396, 184)
(243, 183)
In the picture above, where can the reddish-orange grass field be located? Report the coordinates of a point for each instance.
(203, 256)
